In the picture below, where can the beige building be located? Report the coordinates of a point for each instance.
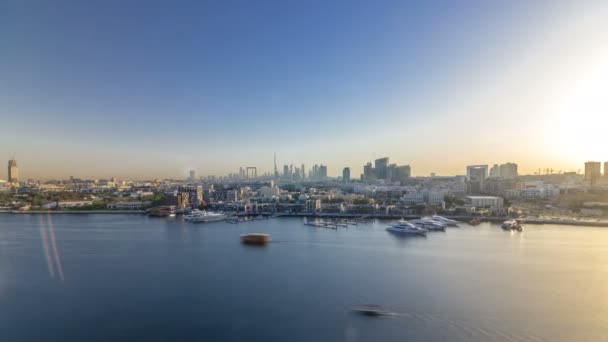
(13, 171)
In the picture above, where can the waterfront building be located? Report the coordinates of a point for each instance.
(493, 202)
(67, 204)
(477, 172)
(194, 194)
(346, 175)
(132, 205)
(13, 171)
(592, 171)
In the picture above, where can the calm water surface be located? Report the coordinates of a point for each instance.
(134, 278)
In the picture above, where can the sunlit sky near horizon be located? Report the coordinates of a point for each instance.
(152, 89)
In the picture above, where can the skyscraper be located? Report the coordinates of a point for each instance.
(346, 174)
(13, 171)
(508, 171)
(276, 171)
(192, 176)
(368, 172)
(593, 171)
(322, 172)
(380, 166)
(477, 172)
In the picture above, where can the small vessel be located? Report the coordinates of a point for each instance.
(428, 224)
(205, 216)
(444, 220)
(406, 228)
(512, 225)
(475, 222)
(162, 211)
(256, 238)
(371, 310)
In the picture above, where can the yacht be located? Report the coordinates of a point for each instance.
(428, 224)
(512, 225)
(208, 216)
(193, 214)
(444, 220)
(406, 228)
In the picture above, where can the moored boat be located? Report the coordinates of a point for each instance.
(512, 225)
(256, 238)
(406, 228)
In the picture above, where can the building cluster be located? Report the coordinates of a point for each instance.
(382, 170)
(593, 172)
(384, 188)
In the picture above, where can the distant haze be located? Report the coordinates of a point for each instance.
(120, 89)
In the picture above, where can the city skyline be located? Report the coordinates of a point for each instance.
(139, 92)
(312, 172)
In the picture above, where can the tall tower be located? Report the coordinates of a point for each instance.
(13, 171)
(276, 172)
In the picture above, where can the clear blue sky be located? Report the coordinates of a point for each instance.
(153, 88)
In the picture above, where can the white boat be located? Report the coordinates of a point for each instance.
(512, 225)
(429, 224)
(206, 216)
(444, 220)
(406, 228)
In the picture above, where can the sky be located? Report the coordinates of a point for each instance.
(147, 89)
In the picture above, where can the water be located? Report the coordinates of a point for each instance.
(133, 278)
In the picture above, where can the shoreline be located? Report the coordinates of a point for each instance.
(463, 219)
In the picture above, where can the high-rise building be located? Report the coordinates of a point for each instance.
(303, 170)
(477, 172)
(194, 193)
(495, 171)
(381, 166)
(192, 176)
(13, 171)
(346, 174)
(593, 171)
(322, 172)
(402, 173)
(605, 169)
(368, 172)
(508, 171)
(276, 171)
(286, 171)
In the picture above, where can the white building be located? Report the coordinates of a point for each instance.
(414, 197)
(269, 191)
(67, 204)
(133, 205)
(485, 201)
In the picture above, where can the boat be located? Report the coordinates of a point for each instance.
(475, 222)
(444, 220)
(371, 310)
(512, 225)
(207, 216)
(428, 224)
(256, 238)
(162, 211)
(406, 228)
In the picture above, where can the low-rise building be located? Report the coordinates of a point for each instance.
(493, 202)
(67, 204)
(133, 205)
